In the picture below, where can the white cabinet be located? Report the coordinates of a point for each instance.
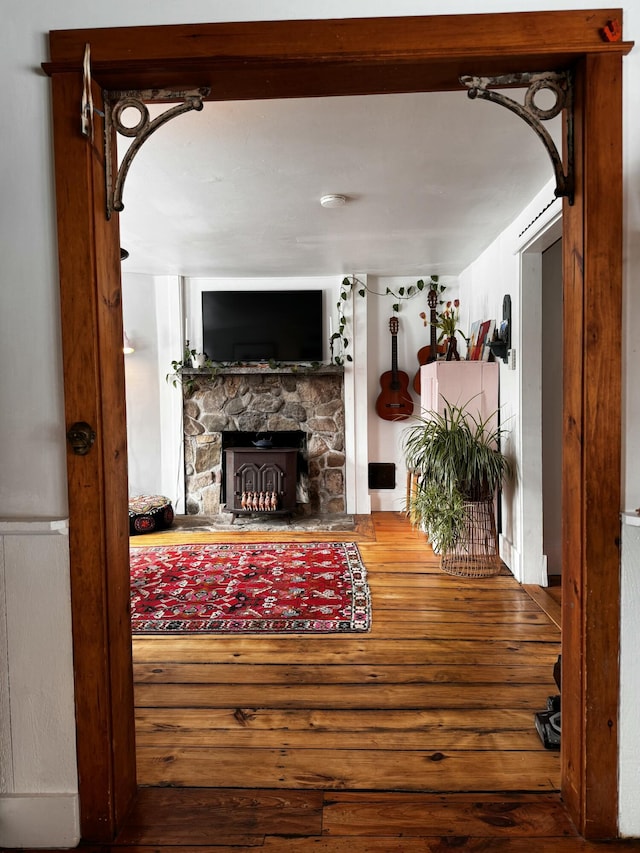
(472, 385)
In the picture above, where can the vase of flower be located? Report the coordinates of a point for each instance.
(452, 349)
(448, 325)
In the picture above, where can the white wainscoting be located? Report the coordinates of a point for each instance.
(629, 759)
(38, 772)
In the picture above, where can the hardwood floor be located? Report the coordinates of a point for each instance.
(415, 738)
(438, 697)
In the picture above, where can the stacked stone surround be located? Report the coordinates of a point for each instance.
(264, 400)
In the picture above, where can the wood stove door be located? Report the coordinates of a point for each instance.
(261, 472)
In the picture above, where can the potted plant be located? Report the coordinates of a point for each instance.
(459, 466)
(448, 324)
(190, 359)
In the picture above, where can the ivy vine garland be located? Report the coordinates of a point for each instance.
(352, 285)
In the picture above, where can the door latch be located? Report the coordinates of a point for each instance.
(81, 436)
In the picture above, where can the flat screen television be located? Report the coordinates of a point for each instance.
(260, 325)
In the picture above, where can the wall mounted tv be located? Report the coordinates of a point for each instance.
(260, 325)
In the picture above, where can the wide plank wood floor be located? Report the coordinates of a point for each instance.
(415, 738)
(438, 697)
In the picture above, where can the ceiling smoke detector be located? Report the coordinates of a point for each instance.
(333, 200)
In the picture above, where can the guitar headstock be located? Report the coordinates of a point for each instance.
(432, 299)
(393, 325)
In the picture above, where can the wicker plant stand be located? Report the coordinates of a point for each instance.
(475, 554)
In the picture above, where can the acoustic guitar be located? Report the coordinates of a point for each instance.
(394, 402)
(430, 353)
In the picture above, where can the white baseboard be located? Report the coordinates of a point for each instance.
(509, 554)
(39, 820)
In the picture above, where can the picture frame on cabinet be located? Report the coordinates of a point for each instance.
(473, 339)
(486, 348)
(482, 339)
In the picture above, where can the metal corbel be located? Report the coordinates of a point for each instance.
(560, 83)
(115, 105)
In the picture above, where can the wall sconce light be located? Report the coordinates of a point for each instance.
(127, 346)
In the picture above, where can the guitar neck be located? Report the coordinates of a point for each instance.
(434, 344)
(395, 384)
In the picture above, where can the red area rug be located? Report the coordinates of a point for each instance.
(275, 587)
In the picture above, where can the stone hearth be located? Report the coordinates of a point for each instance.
(265, 401)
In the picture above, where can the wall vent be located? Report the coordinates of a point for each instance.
(382, 475)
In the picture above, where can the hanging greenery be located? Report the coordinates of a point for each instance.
(339, 342)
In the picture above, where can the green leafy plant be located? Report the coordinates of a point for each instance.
(177, 375)
(457, 459)
(440, 514)
(178, 366)
(339, 342)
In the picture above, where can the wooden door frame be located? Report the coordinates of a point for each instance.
(274, 59)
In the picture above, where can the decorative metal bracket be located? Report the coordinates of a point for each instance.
(560, 83)
(115, 104)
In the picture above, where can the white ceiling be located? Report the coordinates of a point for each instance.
(234, 190)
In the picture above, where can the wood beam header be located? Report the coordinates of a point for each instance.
(264, 59)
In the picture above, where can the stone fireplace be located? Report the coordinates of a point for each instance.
(271, 403)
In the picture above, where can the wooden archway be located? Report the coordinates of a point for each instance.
(338, 57)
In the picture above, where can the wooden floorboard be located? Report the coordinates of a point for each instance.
(353, 769)
(417, 737)
(438, 696)
(325, 650)
(450, 729)
(353, 696)
(205, 820)
(285, 673)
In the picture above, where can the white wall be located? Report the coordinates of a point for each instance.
(152, 315)
(385, 437)
(143, 391)
(32, 444)
(512, 265)
(552, 406)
